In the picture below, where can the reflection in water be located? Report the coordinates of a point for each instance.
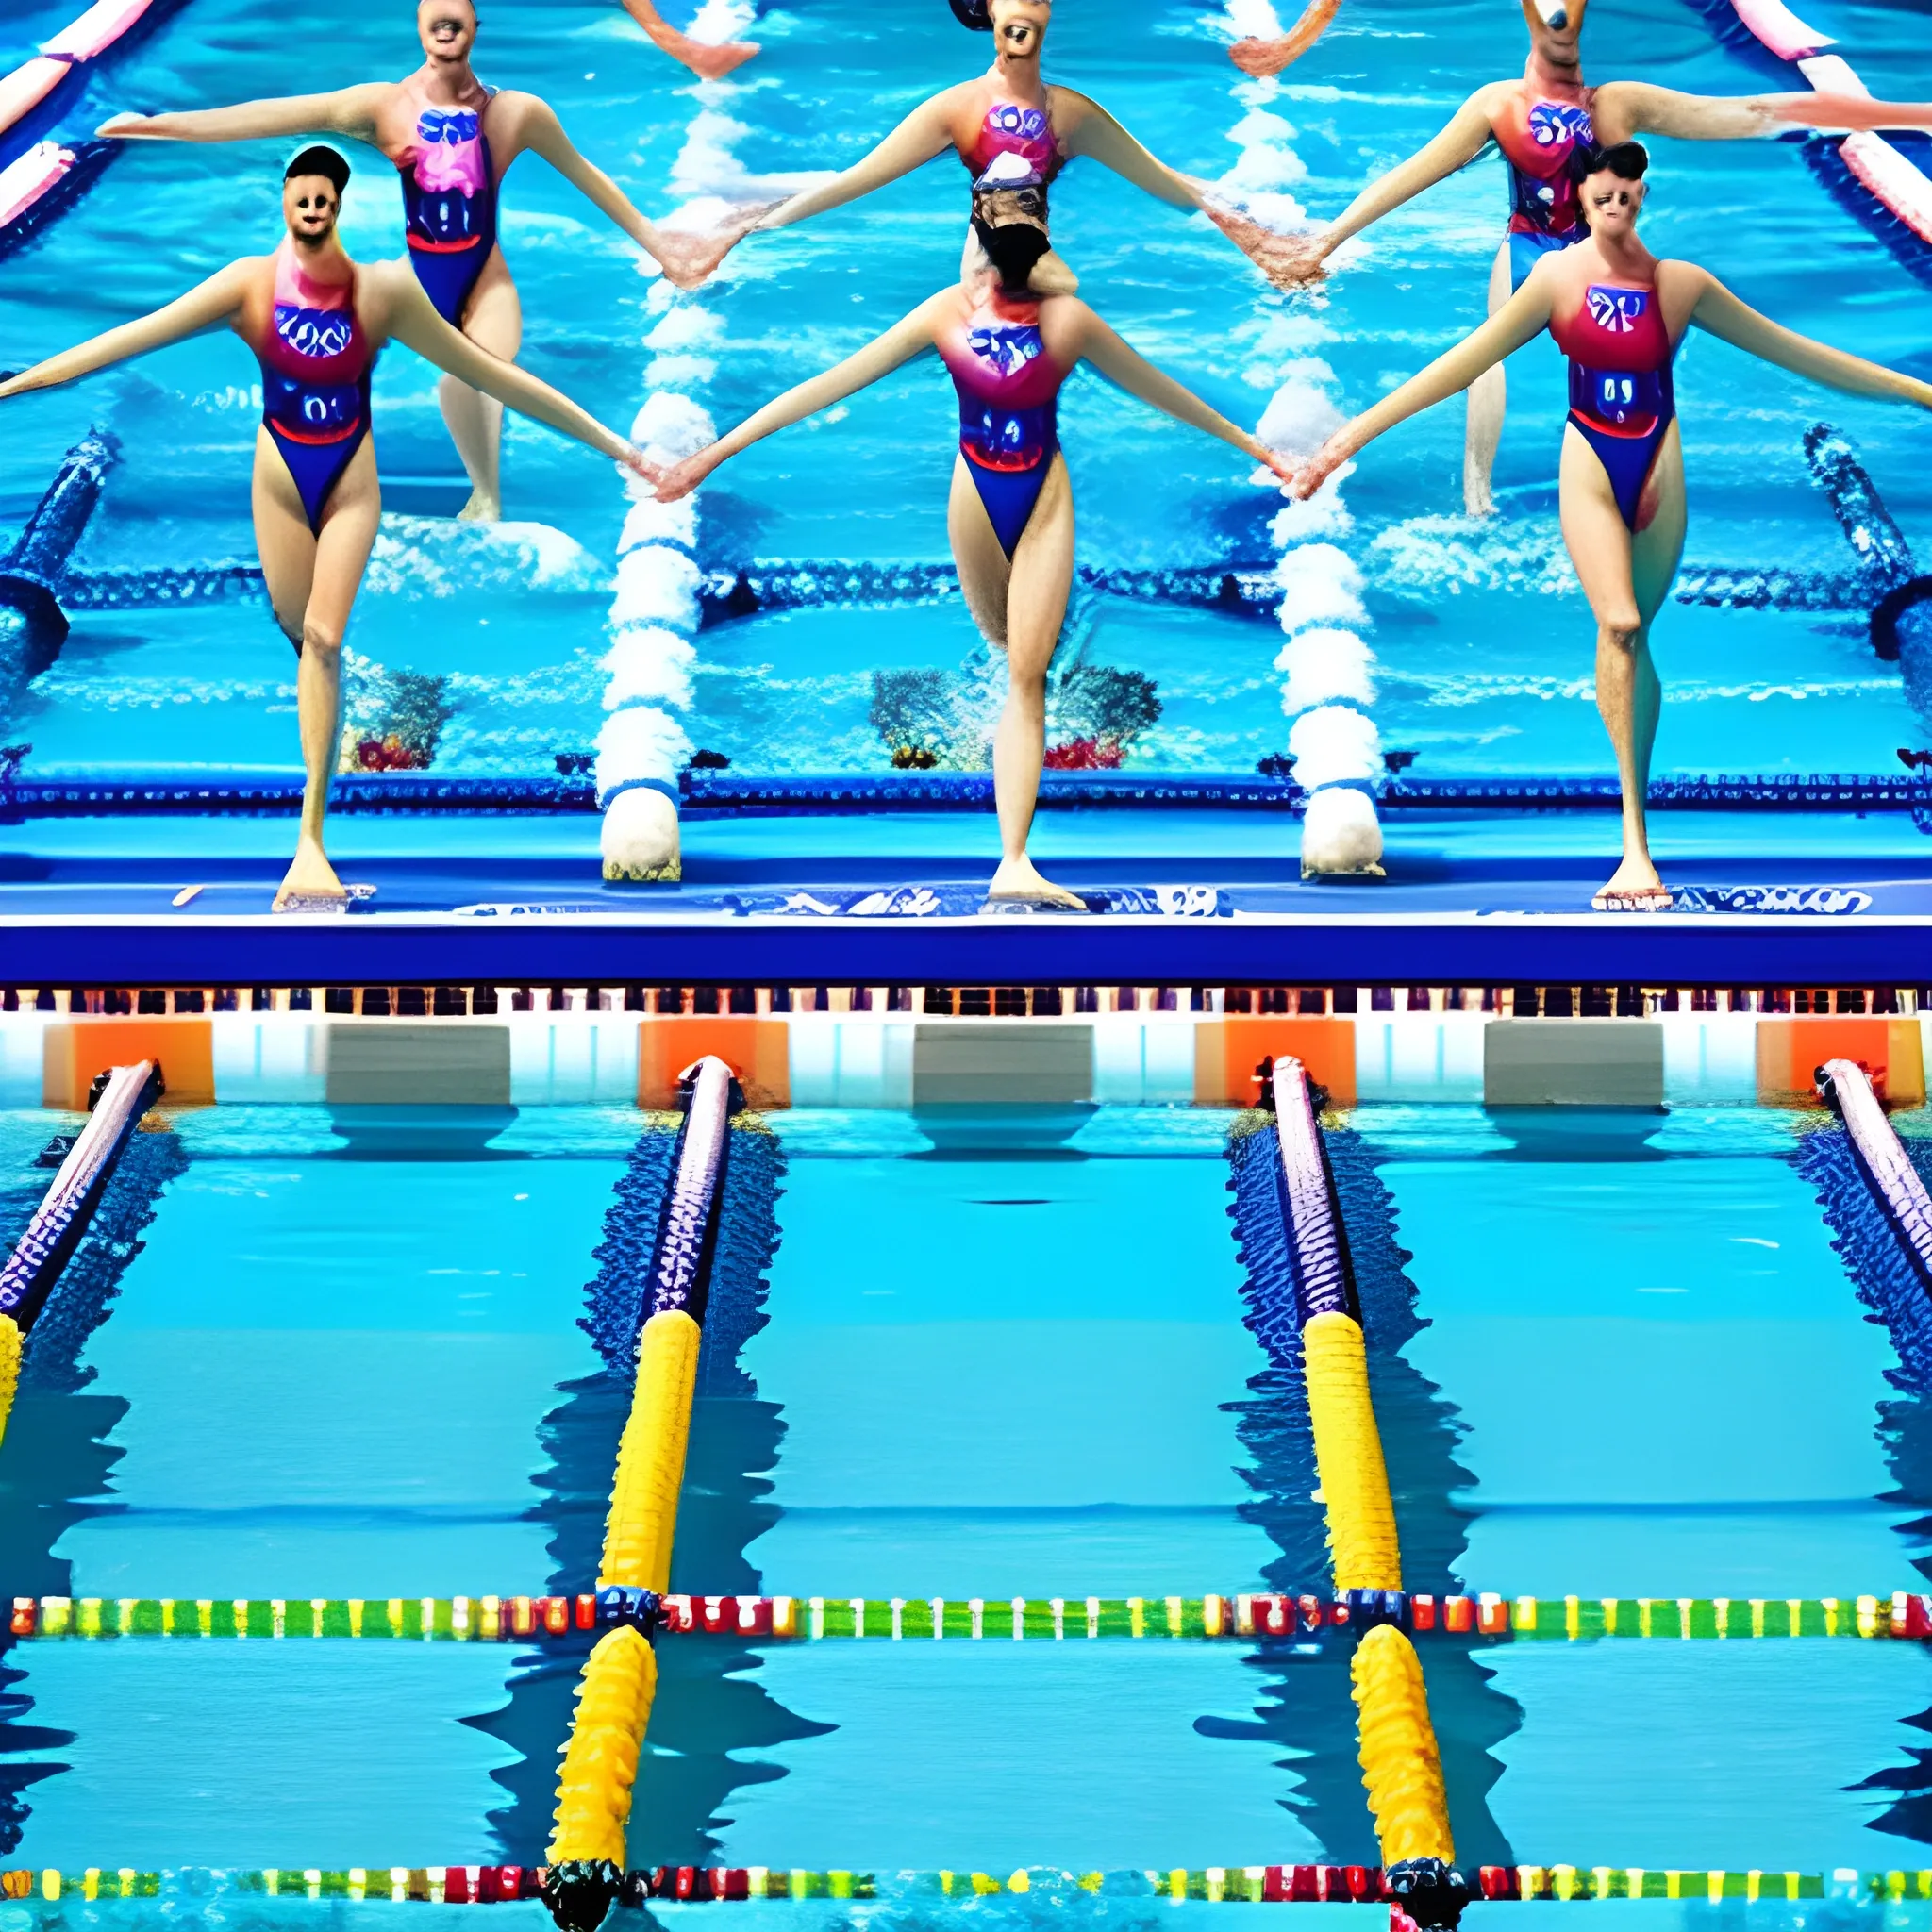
(1305, 1703)
(705, 1710)
(58, 1456)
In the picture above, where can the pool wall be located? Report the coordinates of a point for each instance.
(1138, 1056)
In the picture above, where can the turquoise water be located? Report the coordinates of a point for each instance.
(1482, 642)
(1002, 1353)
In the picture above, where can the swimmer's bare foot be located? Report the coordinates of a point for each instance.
(309, 878)
(1018, 883)
(1263, 59)
(688, 260)
(1289, 262)
(481, 509)
(709, 60)
(1634, 887)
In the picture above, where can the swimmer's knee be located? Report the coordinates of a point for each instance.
(1620, 631)
(322, 641)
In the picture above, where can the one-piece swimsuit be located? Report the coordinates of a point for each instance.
(1544, 134)
(1012, 130)
(1008, 386)
(1621, 396)
(316, 367)
(449, 205)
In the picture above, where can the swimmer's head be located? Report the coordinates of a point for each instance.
(448, 29)
(1555, 27)
(313, 188)
(1612, 192)
(1012, 243)
(1018, 26)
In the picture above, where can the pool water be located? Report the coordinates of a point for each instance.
(1482, 642)
(998, 1352)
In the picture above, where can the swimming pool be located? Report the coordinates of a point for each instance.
(1480, 638)
(997, 1351)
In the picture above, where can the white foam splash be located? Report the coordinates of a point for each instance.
(1300, 416)
(1254, 19)
(1334, 745)
(656, 584)
(1448, 555)
(437, 556)
(672, 427)
(1340, 832)
(687, 326)
(651, 522)
(649, 665)
(641, 742)
(1320, 584)
(1325, 666)
(718, 21)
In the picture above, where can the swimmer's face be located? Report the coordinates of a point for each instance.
(447, 28)
(1611, 204)
(1555, 27)
(310, 206)
(1018, 26)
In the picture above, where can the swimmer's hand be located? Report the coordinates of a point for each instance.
(121, 127)
(690, 259)
(1305, 478)
(1285, 467)
(1289, 262)
(684, 476)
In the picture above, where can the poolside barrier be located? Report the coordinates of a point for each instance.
(27, 1278)
(618, 1678)
(32, 572)
(1238, 1616)
(1213, 1885)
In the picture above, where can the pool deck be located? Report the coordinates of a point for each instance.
(1180, 898)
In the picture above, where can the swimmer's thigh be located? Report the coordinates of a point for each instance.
(493, 315)
(1042, 577)
(1595, 535)
(342, 551)
(1659, 546)
(283, 540)
(976, 553)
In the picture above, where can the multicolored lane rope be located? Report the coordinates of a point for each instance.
(503, 1619)
(1215, 1885)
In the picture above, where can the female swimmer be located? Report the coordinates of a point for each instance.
(1009, 112)
(1544, 123)
(1618, 313)
(452, 141)
(316, 322)
(1010, 517)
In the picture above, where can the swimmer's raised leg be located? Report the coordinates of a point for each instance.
(1488, 397)
(1019, 607)
(494, 320)
(312, 581)
(1626, 577)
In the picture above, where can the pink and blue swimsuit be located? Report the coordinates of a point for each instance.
(449, 206)
(1621, 396)
(316, 367)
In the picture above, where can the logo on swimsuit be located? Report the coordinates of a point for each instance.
(1003, 440)
(316, 333)
(1007, 349)
(437, 125)
(450, 162)
(1558, 123)
(1617, 311)
(1024, 131)
(312, 413)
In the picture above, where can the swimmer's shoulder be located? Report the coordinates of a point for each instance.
(1680, 287)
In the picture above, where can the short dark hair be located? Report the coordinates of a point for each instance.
(977, 15)
(1627, 159)
(326, 161)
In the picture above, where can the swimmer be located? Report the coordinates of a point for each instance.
(315, 322)
(1010, 112)
(1618, 313)
(1010, 517)
(1543, 124)
(1264, 59)
(452, 141)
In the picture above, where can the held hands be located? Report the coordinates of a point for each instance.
(688, 258)
(1289, 262)
(682, 477)
(1307, 475)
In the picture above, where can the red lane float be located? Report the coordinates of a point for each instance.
(28, 85)
(1890, 177)
(38, 172)
(96, 31)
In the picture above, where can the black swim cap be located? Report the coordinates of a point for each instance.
(974, 13)
(1012, 248)
(321, 160)
(1625, 159)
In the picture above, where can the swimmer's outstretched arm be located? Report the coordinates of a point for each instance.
(1459, 143)
(405, 313)
(1622, 109)
(925, 133)
(216, 300)
(1521, 320)
(1124, 364)
(532, 125)
(349, 111)
(1263, 57)
(879, 356)
(1721, 314)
